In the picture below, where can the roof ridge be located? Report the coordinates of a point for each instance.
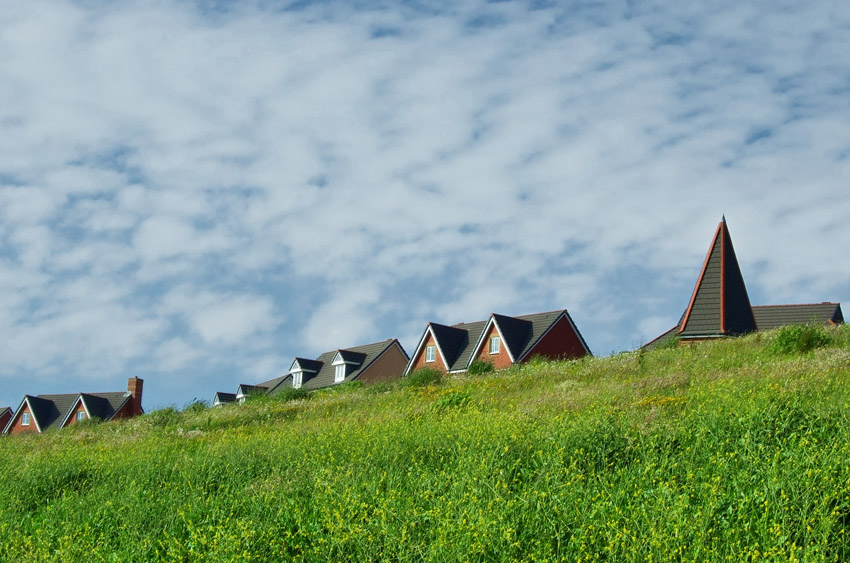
(796, 305)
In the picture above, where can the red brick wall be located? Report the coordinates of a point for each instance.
(500, 360)
(419, 361)
(17, 428)
(73, 418)
(390, 365)
(135, 387)
(561, 342)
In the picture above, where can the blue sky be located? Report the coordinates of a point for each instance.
(195, 193)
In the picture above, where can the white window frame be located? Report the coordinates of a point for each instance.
(81, 416)
(25, 419)
(495, 344)
(296, 379)
(430, 353)
(339, 373)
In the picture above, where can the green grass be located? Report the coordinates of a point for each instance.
(726, 451)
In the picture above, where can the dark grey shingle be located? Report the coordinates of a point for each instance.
(775, 316)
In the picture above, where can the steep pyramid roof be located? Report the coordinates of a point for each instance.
(719, 305)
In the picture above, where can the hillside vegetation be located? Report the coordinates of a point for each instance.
(727, 451)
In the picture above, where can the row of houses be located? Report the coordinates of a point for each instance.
(719, 307)
(501, 341)
(39, 413)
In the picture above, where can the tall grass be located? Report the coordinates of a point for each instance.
(725, 451)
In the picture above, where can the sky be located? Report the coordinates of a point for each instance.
(195, 193)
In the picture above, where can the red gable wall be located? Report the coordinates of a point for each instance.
(500, 360)
(17, 428)
(73, 418)
(560, 343)
(419, 361)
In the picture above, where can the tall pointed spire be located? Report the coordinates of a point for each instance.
(719, 305)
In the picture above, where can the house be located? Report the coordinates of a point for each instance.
(5, 416)
(45, 412)
(222, 398)
(501, 340)
(720, 307)
(370, 363)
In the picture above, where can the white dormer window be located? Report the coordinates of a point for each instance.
(339, 373)
(296, 379)
(81, 416)
(495, 343)
(25, 419)
(430, 353)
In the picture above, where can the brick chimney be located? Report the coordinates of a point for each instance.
(134, 387)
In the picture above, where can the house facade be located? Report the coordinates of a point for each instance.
(39, 413)
(501, 340)
(720, 306)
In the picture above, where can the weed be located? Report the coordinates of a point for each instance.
(452, 400)
(799, 339)
(480, 367)
(422, 377)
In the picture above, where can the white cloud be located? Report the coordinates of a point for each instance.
(172, 182)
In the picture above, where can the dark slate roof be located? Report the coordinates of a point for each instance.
(719, 305)
(350, 356)
(274, 384)
(245, 389)
(308, 364)
(775, 316)
(222, 398)
(104, 405)
(515, 332)
(452, 341)
(473, 334)
(50, 410)
(369, 353)
(520, 333)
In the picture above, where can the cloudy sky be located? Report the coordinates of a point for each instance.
(196, 192)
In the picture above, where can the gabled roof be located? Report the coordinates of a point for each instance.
(719, 304)
(245, 389)
(97, 405)
(775, 316)
(473, 332)
(368, 352)
(522, 333)
(41, 411)
(452, 341)
(515, 332)
(305, 365)
(222, 398)
(459, 343)
(4, 409)
(348, 357)
(273, 385)
(540, 325)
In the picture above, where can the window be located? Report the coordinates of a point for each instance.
(430, 353)
(25, 419)
(494, 344)
(81, 416)
(296, 379)
(339, 373)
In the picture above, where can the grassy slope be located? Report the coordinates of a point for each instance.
(723, 451)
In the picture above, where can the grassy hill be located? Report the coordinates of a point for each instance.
(726, 451)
